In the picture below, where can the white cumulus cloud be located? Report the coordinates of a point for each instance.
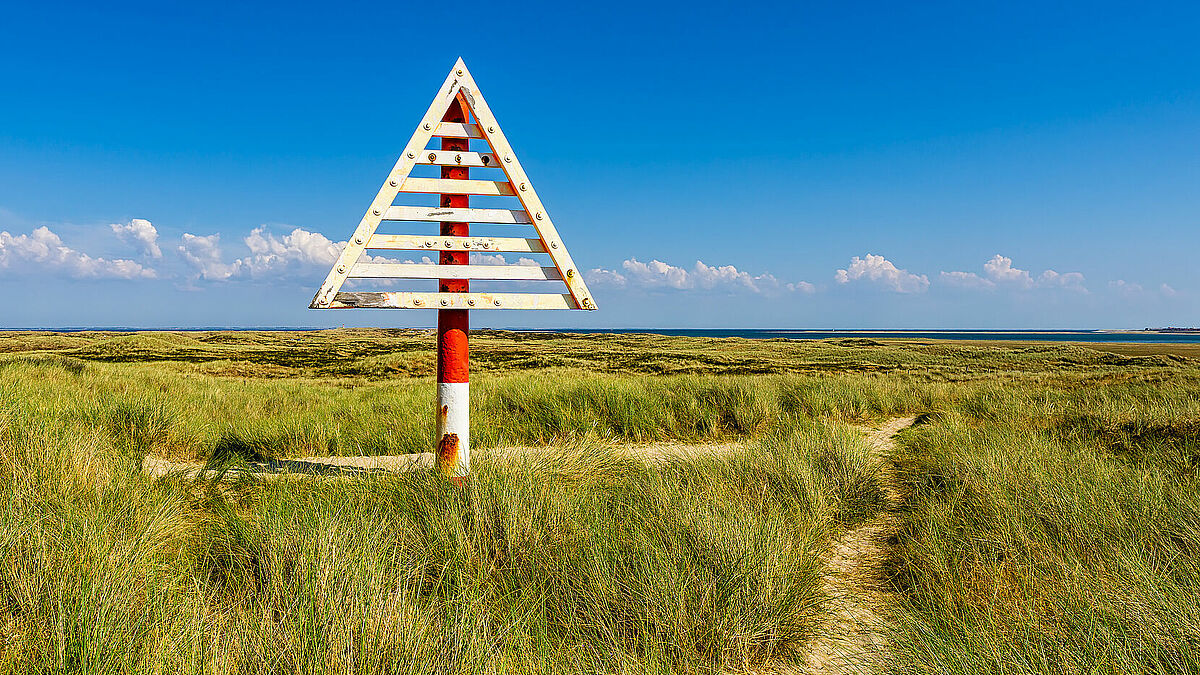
(141, 234)
(42, 250)
(270, 254)
(879, 270)
(203, 255)
(999, 272)
(658, 274)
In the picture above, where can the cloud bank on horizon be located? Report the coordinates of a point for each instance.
(296, 256)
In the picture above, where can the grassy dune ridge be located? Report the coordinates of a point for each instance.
(1051, 523)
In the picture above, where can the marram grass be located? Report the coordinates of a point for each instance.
(1051, 520)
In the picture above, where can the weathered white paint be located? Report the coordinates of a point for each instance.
(450, 215)
(413, 242)
(457, 130)
(423, 271)
(457, 158)
(449, 186)
(405, 300)
(453, 402)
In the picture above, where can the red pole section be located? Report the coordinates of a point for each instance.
(453, 397)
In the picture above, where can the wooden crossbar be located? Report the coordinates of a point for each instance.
(457, 130)
(412, 242)
(490, 188)
(448, 215)
(425, 271)
(404, 300)
(455, 158)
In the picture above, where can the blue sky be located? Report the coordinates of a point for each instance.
(796, 165)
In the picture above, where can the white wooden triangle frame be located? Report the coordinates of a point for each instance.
(459, 84)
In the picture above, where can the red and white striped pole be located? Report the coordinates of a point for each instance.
(453, 394)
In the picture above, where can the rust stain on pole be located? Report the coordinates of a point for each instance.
(447, 453)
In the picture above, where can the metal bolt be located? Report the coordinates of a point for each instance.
(471, 302)
(458, 159)
(487, 245)
(522, 187)
(491, 130)
(418, 302)
(449, 243)
(486, 160)
(587, 302)
(375, 211)
(497, 302)
(341, 268)
(410, 156)
(428, 244)
(392, 182)
(554, 244)
(466, 244)
(426, 125)
(508, 158)
(570, 273)
(458, 72)
(433, 157)
(538, 215)
(358, 240)
(445, 302)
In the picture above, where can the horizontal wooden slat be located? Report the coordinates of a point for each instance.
(457, 130)
(402, 300)
(426, 271)
(456, 158)
(448, 215)
(490, 188)
(411, 242)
